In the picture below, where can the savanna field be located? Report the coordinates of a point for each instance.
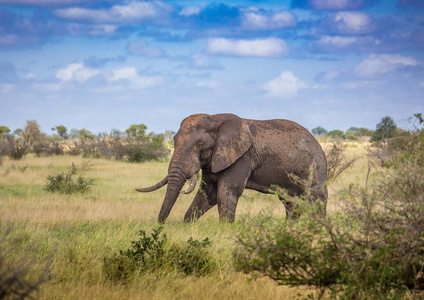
(78, 232)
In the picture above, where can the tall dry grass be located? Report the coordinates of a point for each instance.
(83, 228)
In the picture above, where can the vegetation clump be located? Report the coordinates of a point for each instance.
(155, 254)
(66, 183)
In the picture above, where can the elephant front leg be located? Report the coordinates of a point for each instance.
(205, 199)
(230, 187)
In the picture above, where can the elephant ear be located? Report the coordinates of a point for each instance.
(233, 140)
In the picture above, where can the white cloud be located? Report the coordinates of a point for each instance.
(101, 29)
(254, 19)
(351, 22)
(118, 79)
(133, 11)
(336, 41)
(384, 63)
(287, 85)
(76, 72)
(190, 10)
(129, 77)
(270, 47)
(142, 48)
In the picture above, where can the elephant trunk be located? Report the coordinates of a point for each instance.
(176, 181)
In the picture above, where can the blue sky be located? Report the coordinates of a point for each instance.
(108, 64)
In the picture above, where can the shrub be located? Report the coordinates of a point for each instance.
(65, 183)
(154, 254)
(48, 148)
(192, 258)
(19, 151)
(373, 248)
(337, 162)
(336, 134)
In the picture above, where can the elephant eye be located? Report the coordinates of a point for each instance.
(201, 144)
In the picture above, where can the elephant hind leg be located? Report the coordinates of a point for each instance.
(205, 199)
(291, 212)
(318, 195)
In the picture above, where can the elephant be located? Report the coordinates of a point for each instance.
(236, 154)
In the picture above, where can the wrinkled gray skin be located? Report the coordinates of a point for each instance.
(235, 154)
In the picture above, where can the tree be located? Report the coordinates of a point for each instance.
(85, 134)
(136, 130)
(362, 131)
(384, 130)
(74, 133)
(352, 130)
(32, 133)
(61, 131)
(319, 130)
(336, 134)
(4, 130)
(17, 132)
(115, 133)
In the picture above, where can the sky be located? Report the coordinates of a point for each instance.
(103, 65)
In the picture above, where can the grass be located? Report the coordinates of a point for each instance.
(83, 228)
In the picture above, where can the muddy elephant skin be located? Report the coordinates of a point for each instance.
(234, 154)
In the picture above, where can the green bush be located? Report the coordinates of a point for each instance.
(18, 151)
(192, 258)
(372, 248)
(154, 254)
(65, 182)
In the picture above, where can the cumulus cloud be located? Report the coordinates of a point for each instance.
(128, 77)
(255, 19)
(131, 12)
(118, 79)
(142, 48)
(381, 64)
(348, 22)
(76, 72)
(270, 47)
(287, 85)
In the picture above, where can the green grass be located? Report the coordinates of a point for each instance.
(82, 229)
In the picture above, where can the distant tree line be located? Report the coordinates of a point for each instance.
(386, 129)
(132, 145)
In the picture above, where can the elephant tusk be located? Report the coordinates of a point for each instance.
(193, 181)
(154, 187)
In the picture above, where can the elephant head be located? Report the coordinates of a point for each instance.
(212, 142)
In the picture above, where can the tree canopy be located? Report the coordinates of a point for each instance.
(384, 130)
